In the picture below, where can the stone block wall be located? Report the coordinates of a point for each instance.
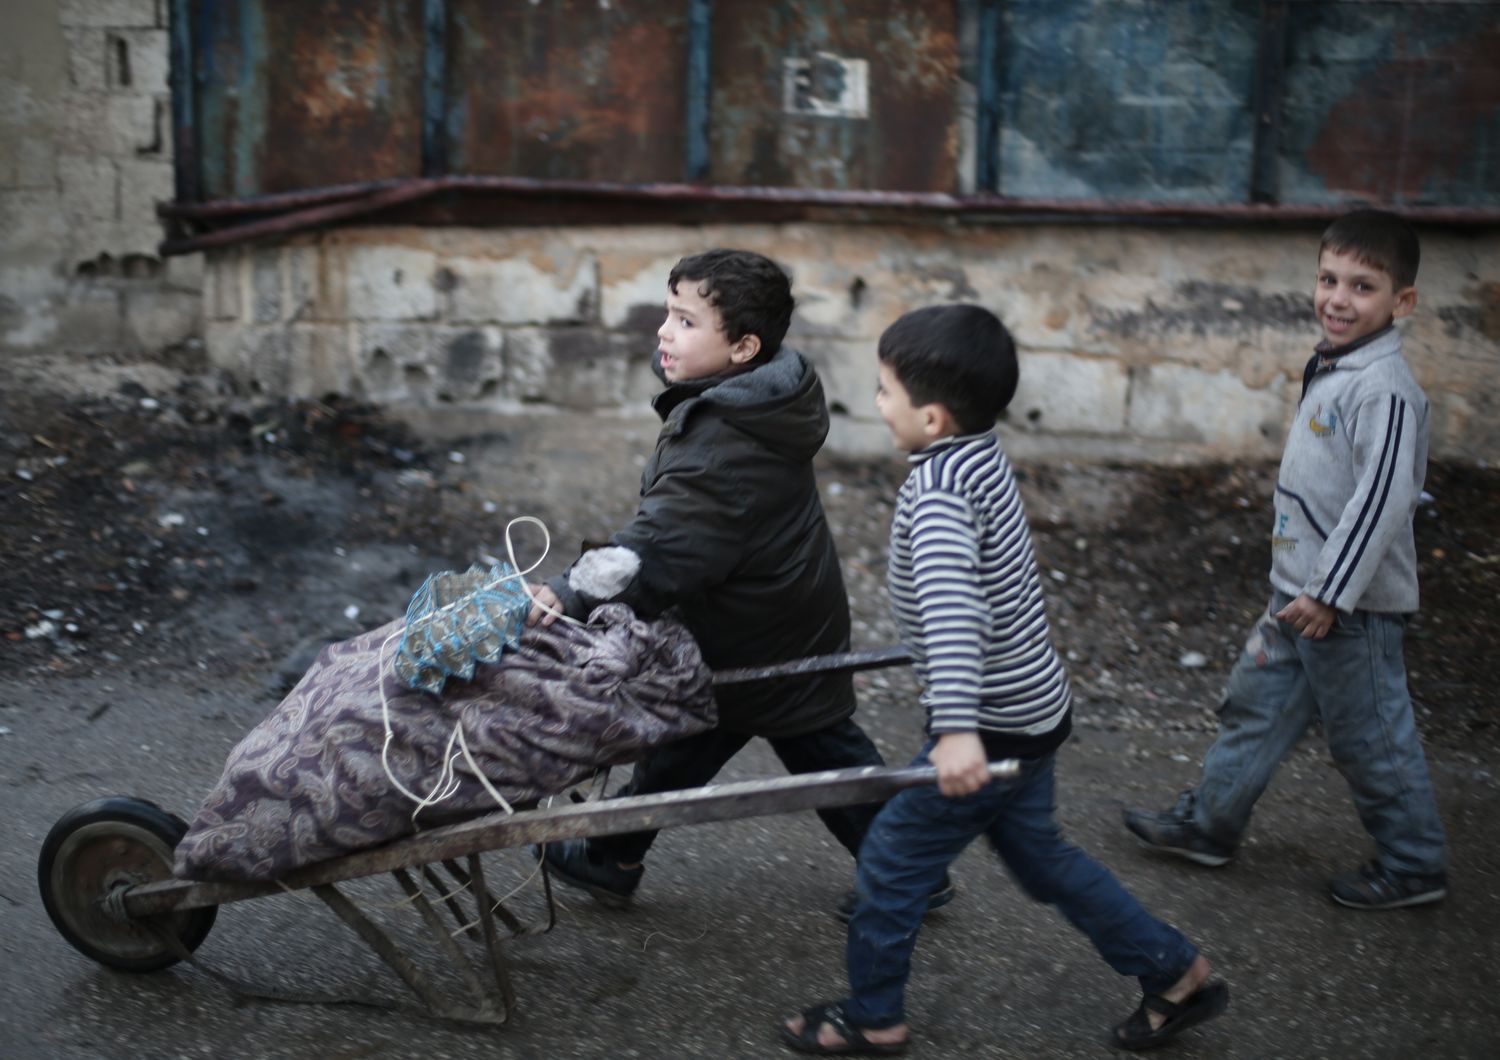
(1162, 343)
(85, 155)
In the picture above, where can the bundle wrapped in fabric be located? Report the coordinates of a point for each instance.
(456, 621)
(317, 778)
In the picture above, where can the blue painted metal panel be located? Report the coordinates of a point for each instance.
(435, 88)
(1392, 104)
(186, 158)
(1128, 99)
(987, 135)
(700, 22)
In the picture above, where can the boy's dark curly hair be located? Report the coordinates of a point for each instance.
(957, 356)
(1377, 238)
(752, 293)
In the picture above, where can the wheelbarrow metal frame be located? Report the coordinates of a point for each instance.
(498, 831)
(493, 995)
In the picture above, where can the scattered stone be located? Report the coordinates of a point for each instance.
(1193, 660)
(416, 477)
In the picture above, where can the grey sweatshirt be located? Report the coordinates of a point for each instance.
(1350, 480)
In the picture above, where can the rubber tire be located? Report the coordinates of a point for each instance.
(98, 846)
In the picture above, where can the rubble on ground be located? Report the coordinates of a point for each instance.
(189, 527)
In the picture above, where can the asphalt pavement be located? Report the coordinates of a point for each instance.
(733, 925)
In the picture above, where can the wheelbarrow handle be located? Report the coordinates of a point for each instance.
(633, 813)
(894, 655)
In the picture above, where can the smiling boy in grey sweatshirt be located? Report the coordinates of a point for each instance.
(1344, 582)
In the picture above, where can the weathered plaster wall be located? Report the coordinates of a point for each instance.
(85, 153)
(1164, 343)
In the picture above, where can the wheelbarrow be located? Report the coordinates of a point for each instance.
(105, 869)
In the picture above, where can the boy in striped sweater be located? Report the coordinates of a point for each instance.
(966, 593)
(1343, 581)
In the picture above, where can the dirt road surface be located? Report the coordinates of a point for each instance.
(172, 554)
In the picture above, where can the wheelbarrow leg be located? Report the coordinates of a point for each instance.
(492, 937)
(449, 898)
(484, 998)
(385, 949)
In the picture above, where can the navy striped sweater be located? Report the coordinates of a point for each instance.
(1350, 480)
(965, 590)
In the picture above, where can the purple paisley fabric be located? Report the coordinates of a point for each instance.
(307, 783)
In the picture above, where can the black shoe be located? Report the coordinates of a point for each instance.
(945, 893)
(576, 864)
(1373, 886)
(1173, 832)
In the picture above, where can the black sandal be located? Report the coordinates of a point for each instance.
(855, 1043)
(1208, 1001)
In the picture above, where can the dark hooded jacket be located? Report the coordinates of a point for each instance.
(731, 533)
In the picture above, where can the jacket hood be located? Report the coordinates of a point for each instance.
(779, 403)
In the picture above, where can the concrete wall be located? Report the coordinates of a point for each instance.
(85, 153)
(1167, 343)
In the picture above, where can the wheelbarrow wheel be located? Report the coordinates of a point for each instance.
(99, 848)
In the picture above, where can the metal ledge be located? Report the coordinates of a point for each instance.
(579, 201)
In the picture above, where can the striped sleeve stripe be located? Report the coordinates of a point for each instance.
(1385, 471)
(1385, 493)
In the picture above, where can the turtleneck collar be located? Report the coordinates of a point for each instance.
(952, 441)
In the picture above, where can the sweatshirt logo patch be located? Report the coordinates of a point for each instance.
(1323, 424)
(1280, 542)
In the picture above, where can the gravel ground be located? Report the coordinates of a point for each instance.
(173, 553)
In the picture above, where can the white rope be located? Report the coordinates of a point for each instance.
(448, 782)
(510, 553)
(495, 902)
(673, 938)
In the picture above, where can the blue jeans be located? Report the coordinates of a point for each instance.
(919, 834)
(1354, 681)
